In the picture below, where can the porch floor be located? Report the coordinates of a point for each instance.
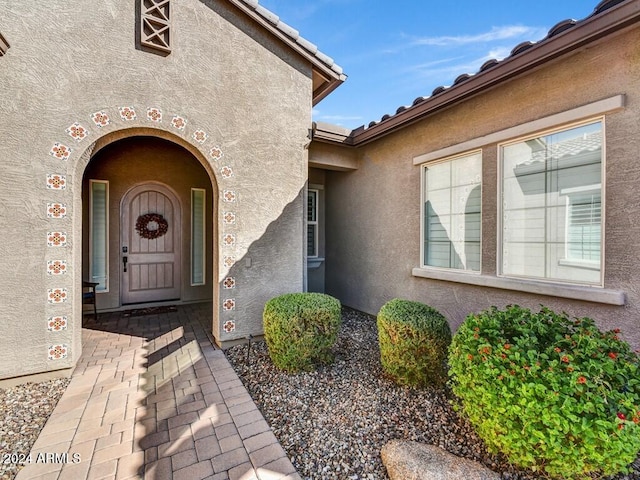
(151, 397)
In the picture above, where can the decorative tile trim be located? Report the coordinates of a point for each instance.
(56, 210)
(127, 114)
(229, 240)
(229, 304)
(229, 326)
(200, 136)
(60, 151)
(56, 182)
(56, 239)
(178, 122)
(229, 218)
(58, 352)
(57, 324)
(77, 132)
(101, 119)
(56, 267)
(226, 171)
(154, 114)
(229, 261)
(216, 153)
(229, 283)
(229, 196)
(57, 295)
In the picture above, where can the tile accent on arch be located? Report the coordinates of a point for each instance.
(77, 132)
(229, 261)
(216, 153)
(229, 326)
(178, 122)
(60, 151)
(58, 352)
(56, 267)
(229, 304)
(56, 181)
(200, 136)
(100, 118)
(56, 239)
(56, 210)
(127, 114)
(154, 114)
(229, 240)
(229, 283)
(57, 295)
(229, 218)
(57, 323)
(229, 196)
(226, 171)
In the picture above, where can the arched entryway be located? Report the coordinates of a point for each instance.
(148, 224)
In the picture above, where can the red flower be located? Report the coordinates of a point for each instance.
(565, 359)
(582, 379)
(557, 349)
(469, 357)
(613, 355)
(507, 346)
(621, 416)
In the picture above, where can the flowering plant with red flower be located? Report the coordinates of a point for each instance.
(555, 395)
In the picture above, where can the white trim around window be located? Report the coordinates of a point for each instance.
(313, 197)
(198, 236)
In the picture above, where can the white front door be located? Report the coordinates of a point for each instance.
(150, 244)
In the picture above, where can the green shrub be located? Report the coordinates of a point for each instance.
(300, 329)
(553, 394)
(414, 338)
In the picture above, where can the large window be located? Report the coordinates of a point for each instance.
(452, 213)
(99, 234)
(551, 206)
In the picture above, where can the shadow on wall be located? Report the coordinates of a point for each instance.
(273, 264)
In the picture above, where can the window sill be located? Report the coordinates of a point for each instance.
(575, 292)
(314, 262)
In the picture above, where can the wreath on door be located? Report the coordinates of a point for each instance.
(151, 220)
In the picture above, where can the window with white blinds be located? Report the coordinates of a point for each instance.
(99, 234)
(452, 213)
(312, 223)
(552, 206)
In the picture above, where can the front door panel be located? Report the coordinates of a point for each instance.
(150, 245)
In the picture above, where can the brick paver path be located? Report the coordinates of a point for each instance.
(152, 398)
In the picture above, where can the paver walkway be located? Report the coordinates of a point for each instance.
(152, 398)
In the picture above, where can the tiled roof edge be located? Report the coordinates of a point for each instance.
(293, 35)
(403, 114)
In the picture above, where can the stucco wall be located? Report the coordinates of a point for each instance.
(248, 95)
(373, 213)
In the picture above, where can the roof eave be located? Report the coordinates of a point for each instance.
(331, 76)
(591, 29)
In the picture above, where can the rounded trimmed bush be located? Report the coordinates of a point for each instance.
(554, 395)
(414, 338)
(300, 329)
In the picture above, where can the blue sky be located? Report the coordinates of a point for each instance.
(396, 51)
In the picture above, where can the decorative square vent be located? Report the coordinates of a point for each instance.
(4, 45)
(155, 28)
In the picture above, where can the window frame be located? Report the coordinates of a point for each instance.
(500, 205)
(313, 223)
(423, 193)
(92, 278)
(202, 234)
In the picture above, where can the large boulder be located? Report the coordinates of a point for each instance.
(406, 460)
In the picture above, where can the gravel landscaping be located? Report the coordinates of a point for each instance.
(24, 410)
(333, 422)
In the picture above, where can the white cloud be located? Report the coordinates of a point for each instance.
(493, 35)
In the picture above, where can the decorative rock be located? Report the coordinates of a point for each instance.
(406, 460)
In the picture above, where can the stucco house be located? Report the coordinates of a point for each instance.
(181, 165)
(515, 185)
(157, 148)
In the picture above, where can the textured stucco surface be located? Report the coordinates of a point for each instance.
(373, 213)
(225, 76)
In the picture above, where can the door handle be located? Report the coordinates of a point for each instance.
(124, 262)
